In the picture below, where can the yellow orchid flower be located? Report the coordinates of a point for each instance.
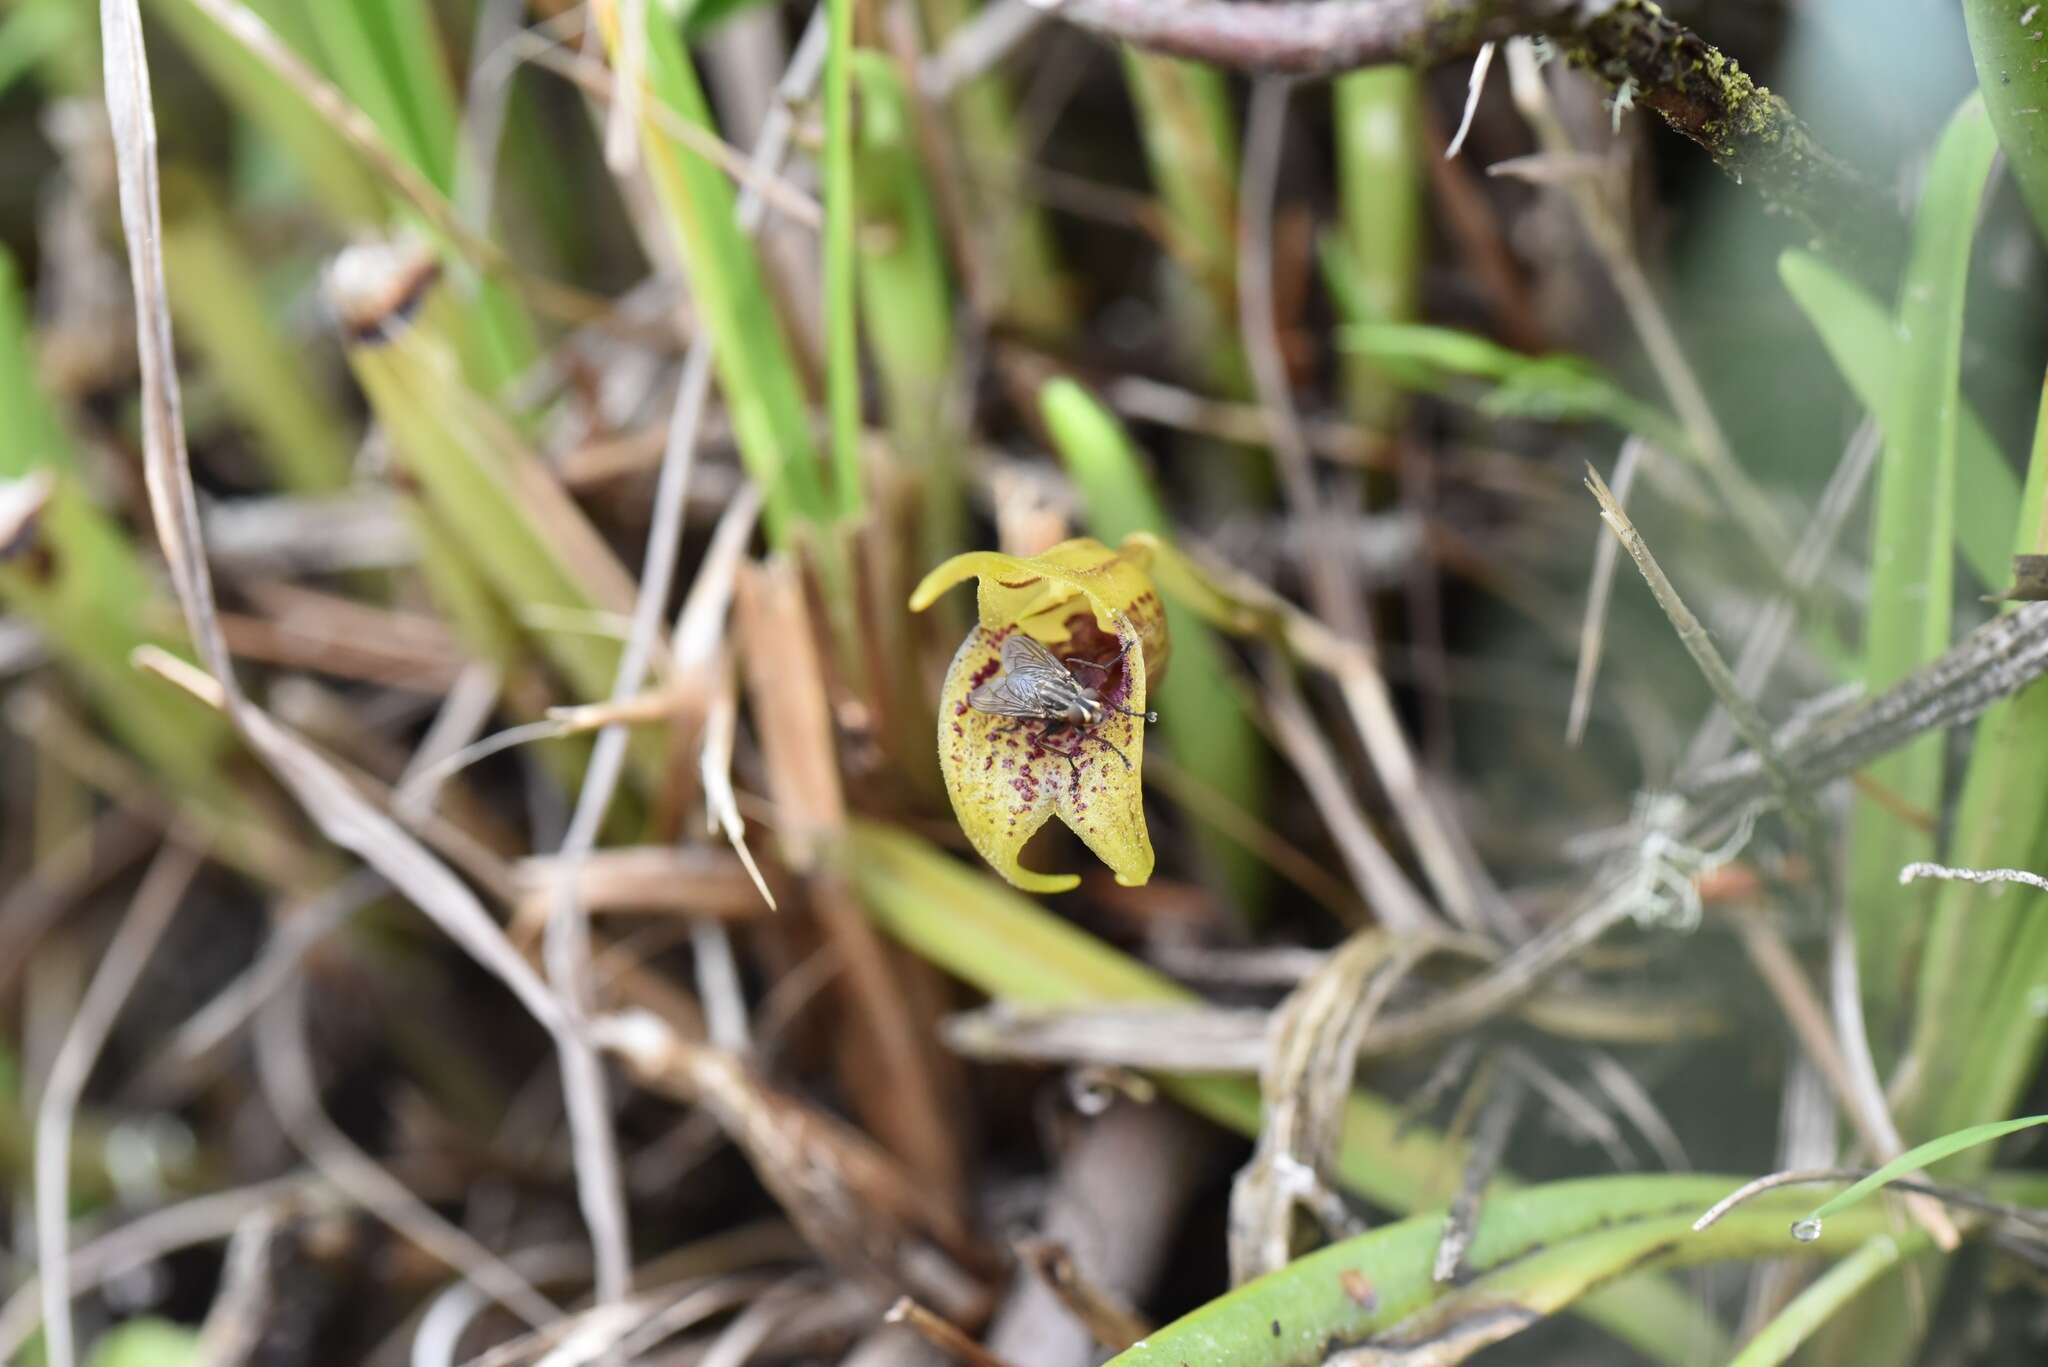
(1095, 610)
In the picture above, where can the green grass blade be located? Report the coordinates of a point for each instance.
(1865, 347)
(1976, 1037)
(1791, 1327)
(81, 583)
(1190, 137)
(31, 438)
(1033, 293)
(1909, 619)
(1536, 1251)
(501, 539)
(221, 312)
(1918, 1157)
(1189, 129)
(417, 67)
(757, 373)
(271, 109)
(493, 495)
(2005, 41)
(700, 17)
(388, 80)
(1010, 948)
(1200, 714)
(1380, 183)
(906, 318)
(1103, 462)
(907, 307)
(350, 54)
(93, 602)
(386, 55)
(842, 324)
(1555, 387)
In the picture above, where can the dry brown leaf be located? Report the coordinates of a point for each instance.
(792, 714)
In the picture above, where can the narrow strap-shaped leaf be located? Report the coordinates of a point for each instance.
(1919, 1156)
(756, 368)
(1777, 1341)
(2005, 41)
(1912, 573)
(1869, 352)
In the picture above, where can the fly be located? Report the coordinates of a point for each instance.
(1035, 685)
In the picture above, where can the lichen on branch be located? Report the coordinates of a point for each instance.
(1751, 133)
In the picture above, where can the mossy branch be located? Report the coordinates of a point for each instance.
(1631, 44)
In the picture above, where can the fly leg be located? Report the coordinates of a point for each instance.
(1115, 661)
(1095, 735)
(1059, 727)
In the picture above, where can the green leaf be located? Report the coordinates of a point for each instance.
(842, 324)
(1190, 135)
(2015, 85)
(1976, 1037)
(1975, 1032)
(1535, 1252)
(701, 16)
(1551, 388)
(221, 312)
(907, 304)
(756, 369)
(1910, 616)
(1871, 355)
(1030, 291)
(273, 110)
(1920, 1156)
(491, 492)
(387, 56)
(1381, 180)
(1200, 714)
(31, 438)
(1777, 1341)
(80, 581)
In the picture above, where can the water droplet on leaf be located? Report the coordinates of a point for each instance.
(1806, 1231)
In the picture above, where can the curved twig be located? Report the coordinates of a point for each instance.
(1317, 37)
(1962, 1197)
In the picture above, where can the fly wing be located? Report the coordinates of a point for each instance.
(1033, 683)
(1035, 672)
(999, 697)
